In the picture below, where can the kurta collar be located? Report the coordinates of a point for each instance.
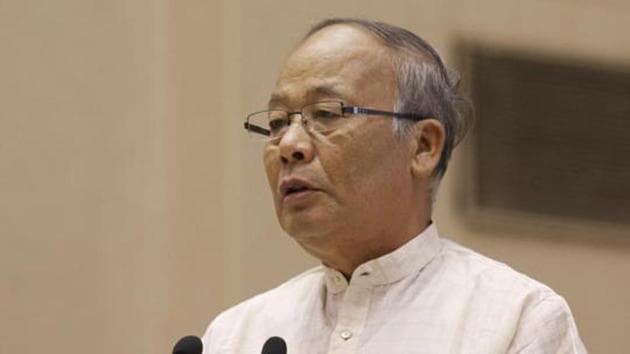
(392, 267)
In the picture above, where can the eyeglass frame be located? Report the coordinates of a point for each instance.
(344, 110)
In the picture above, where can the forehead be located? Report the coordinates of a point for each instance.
(340, 62)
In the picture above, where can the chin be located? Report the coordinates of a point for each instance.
(305, 229)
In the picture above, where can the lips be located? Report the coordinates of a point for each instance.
(293, 186)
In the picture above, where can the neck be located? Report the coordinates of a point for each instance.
(345, 255)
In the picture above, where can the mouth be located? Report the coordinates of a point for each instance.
(292, 188)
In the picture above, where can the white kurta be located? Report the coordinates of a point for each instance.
(429, 296)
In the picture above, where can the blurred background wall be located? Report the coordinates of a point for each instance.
(133, 208)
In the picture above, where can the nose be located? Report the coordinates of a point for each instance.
(296, 144)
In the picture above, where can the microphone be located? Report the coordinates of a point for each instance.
(188, 345)
(275, 345)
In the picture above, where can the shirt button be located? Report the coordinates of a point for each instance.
(345, 335)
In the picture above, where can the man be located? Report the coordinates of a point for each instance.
(360, 126)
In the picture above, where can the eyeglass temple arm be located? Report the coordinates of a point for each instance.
(257, 129)
(369, 111)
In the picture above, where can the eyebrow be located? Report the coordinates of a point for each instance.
(318, 91)
(275, 100)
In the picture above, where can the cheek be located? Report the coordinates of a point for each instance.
(363, 165)
(338, 161)
(271, 168)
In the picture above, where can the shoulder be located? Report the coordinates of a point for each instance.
(488, 274)
(491, 281)
(540, 319)
(265, 308)
(269, 300)
(547, 326)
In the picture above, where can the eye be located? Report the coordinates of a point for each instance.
(324, 114)
(277, 124)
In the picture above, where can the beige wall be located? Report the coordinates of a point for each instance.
(133, 208)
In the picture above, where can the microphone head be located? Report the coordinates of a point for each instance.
(275, 345)
(188, 345)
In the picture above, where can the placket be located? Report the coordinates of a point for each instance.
(351, 317)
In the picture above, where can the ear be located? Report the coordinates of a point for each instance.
(429, 137)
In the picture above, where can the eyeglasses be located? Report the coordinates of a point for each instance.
(316, 117)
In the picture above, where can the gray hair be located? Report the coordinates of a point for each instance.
(425, 85)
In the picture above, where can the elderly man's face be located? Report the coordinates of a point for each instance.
(352, 183)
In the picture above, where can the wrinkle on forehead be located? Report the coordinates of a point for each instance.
(338, 61)
(317, 91)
